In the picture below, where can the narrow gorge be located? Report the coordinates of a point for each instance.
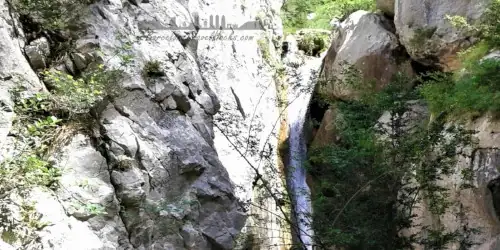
(299, 95)
(248, 125)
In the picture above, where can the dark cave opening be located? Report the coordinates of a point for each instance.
(494, 187)
(317, 109)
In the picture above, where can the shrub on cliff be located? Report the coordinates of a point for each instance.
(53, 14)
(469, 95)
(78, 95)
(473, 91)
(313, 43)
(42, 121)
(488, 30)
(491, 26)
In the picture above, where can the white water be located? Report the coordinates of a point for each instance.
(299, 97)
(298, 185)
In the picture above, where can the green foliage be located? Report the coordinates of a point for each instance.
(42, 126)
(368, 183)
(313, 43)
(54, 14)
(36, 129)
(473, 54)
(473, 91)
(294, 12)
(264, 49)
(39, 118)
(23, 231)
(95, 209)
(488, 27)
(37, 104)
(90, 208)
(436, 239)
(27, 168)
(25, 171)
(367, 222)
(458, 22)
(472, 94)
(152, 69)
(78, 96)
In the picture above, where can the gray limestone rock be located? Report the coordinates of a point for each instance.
(365, 41)
(152, 177)
(428, 36)
(37, 52)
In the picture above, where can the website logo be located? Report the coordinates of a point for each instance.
(213, 23)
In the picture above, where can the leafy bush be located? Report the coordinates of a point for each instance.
(467, 96)
(473, 54)
(294, 12)
(89, 208)
(39, 118)
(35, 128)
(53, 14)
(488, 28)
(152, 69)
(474, 90)
(313, 43)
(344, 168)
(27, 168)
(78, 96)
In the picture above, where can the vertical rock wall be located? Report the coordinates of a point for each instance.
(151, 162)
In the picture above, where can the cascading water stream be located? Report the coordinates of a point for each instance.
(300, 189)
(299, 96)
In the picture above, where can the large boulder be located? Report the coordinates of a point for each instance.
(365, 41)
(37, 52)
(428, 36)
(173, 189)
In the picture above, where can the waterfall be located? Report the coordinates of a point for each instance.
(299, 95)
(300, 189)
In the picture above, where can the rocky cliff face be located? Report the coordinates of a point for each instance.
(423, 35)
(150, 166)
(187, 150)
(474, 211)
(427, 34)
